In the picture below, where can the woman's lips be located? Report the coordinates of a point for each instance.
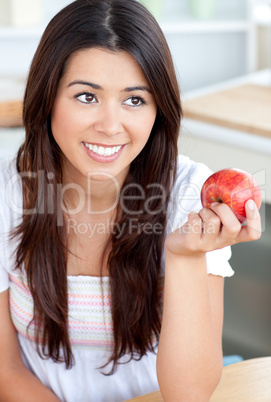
(103, 154)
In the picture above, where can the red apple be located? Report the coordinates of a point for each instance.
(234, 187)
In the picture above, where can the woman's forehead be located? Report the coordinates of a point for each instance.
(105, 65)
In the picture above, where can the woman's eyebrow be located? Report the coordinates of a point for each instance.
(96, 86)
(137, 88)
(90, 84)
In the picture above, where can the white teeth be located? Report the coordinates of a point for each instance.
(108, 152)
(102, 150)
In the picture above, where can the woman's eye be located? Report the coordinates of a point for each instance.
(135, 101)
(86, 97)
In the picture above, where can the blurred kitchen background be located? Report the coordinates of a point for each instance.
(222, 53)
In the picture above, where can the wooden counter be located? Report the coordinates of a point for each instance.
(245, 107)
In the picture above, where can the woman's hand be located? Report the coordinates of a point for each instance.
(212, 229)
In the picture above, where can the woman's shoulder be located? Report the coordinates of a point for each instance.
(189, 178)
(7, 171)
(10, 216)
(185, 196)
(189, 171)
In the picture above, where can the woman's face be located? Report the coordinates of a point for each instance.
(103, 114)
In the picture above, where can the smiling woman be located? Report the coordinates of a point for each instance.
(110, 283)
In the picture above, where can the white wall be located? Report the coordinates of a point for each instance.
(202, 57)
(264, 47)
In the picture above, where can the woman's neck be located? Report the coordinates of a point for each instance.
(92, 195)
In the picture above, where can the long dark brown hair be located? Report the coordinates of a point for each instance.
(135, 258)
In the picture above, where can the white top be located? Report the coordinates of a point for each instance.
(90, 326)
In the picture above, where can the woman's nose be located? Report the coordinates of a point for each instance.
(109, 120)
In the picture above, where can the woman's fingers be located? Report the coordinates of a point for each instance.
(230, 227)
(252, 230)
(232, 231)
(214, 228)
(211, 223)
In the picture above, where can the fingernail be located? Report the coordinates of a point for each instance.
(251, 205)
(214, 204)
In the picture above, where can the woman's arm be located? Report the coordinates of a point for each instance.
(17, 383)
(189, 361)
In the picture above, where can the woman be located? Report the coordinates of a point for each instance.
(109, 267)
